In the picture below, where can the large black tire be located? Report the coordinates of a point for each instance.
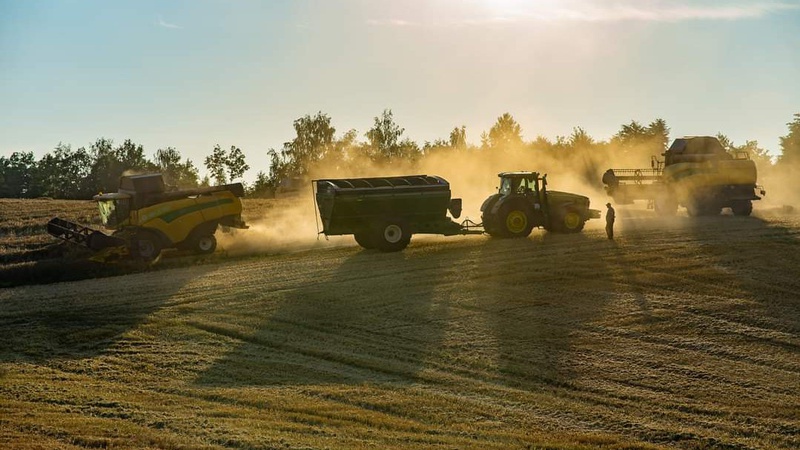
(569, 221)
(392, 236)
(365, 239)
(146, 245)
(515, 220)
(742, 207)
(490, 225)
(204, 244)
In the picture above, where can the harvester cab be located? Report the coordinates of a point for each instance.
(145, 218)
(523, 202)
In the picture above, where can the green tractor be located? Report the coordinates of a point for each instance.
(523, 202)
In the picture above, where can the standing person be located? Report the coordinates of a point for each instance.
(611, 215)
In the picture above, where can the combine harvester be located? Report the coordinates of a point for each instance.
(146, 218)
(697, 173)
(384, 213)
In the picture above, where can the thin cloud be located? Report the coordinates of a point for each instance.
(164, 24)
(598, 11)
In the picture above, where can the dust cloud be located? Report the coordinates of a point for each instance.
(291, 222)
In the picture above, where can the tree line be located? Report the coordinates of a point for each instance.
(80, 173)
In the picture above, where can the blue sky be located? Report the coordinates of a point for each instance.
(191, 74)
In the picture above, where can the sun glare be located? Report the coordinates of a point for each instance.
(542, 9)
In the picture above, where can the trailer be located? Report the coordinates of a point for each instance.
(384, 212)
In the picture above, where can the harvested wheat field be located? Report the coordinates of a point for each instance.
(683, 333)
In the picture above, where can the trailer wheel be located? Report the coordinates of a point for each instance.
(392, 236)
(204, 244)
(147, 245)
(515, 220)
(742, 207)
(365, 239)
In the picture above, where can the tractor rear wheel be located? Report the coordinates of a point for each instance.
(392, 236)
(365, 239)
(515, 220)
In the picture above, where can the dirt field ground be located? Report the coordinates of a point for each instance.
(682, 333)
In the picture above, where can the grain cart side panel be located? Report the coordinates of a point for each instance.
(384, 212)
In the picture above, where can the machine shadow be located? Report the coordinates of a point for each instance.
(81, 319)
(373, 318)
(760, 257)
(535, 294)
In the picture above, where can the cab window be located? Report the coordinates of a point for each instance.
(113, 212)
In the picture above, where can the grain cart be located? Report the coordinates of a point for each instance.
(384, 213)
(524, 202)
(696, 173)
(146, 217)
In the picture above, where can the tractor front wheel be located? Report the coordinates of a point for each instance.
(515, 221)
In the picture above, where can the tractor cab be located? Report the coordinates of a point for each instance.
(114, 209)
(529, 184)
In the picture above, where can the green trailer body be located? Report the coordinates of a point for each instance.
(384, 212)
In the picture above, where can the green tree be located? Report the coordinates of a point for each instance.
(236, 163)
(384, 140)
(262, 186)
(458, 138)
(17, 175)
(176, 173)
(580, 139)
(110, 163)
(223, 164)
(790, 144)
(505, 134)
(215, 163)
(313, 142)
(63, 173)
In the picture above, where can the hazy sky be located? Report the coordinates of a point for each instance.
(191, 74)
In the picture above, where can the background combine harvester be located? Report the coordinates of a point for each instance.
(385, 212)
(696, 173)
(147, 218)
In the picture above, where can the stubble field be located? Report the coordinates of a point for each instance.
(682, 333)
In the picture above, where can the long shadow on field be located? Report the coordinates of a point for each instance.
(534, 294)
(373, 318)
(760, 257)
(81, 319)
